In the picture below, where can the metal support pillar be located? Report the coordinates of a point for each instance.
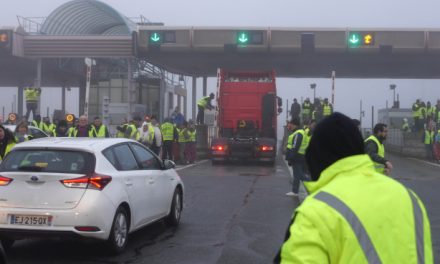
(20, 100)
(131, 96)
(63, 99)
(162, 91)
(38, 81)
(82, 96)
(185, 107)
(205, 85)
(194, 97)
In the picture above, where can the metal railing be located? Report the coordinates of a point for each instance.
(31, 25)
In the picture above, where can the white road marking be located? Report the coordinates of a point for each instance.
(426, 162)
(191, 165)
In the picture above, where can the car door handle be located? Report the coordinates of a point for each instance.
(128, 183)
(151, 181)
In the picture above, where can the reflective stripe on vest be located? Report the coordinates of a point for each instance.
(100, 133)
(356, 225)
(182, 138)
(326, 111)
(192, 136)
(31, 95)
(304, 143)
(429, 137)
(380, 151)
(362, 235)
(167, 131)
(306, 108)
(420, 233)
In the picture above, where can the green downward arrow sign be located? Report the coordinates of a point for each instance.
(354, 39)
(243, 38)
(155, 37)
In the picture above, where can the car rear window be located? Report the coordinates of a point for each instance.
(58, 161)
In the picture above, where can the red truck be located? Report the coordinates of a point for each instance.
(248, 107)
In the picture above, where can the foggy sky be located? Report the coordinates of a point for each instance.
(282, 13)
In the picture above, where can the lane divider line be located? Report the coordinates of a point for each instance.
(426, 162)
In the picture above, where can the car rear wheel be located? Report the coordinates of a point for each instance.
(118, 238)
(7, 243)
(173, 217)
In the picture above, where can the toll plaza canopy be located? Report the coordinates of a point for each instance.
(86, 17)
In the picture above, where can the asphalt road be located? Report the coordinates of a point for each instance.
(234, 213)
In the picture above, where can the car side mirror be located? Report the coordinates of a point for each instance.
(169, 164)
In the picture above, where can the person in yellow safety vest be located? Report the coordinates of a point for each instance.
(48, 127)
(182, 140)
(353, 214)
(306, 110)
(168, 137)
(375, 148)
(416, 114)
(327, 108)
(147, 134)
(7, 141)
(82, 129)
(22, 132)
(129, 130)
(32, 97)
(422, 110)
(202, 104)
(428, 140)
(296, 149)
(405, 126)
(191, 145)
(37, 122)
(98, 129)
(430, 112)
(308, 131)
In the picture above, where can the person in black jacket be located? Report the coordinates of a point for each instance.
(295, 109)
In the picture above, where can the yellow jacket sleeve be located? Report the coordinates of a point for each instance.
(304, 244)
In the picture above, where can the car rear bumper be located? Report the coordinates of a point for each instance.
(98, 212)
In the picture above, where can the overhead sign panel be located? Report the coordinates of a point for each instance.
(245, 38)
(163, 39)
(359, 39)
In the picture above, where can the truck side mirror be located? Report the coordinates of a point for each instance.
(280, 102)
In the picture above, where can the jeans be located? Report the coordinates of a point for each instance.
(298, 175)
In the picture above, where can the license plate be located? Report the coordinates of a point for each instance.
(30, 220)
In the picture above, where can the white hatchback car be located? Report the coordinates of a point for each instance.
(95, 188)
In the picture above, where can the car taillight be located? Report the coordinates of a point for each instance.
(95, 181)
(219, 148)
(5, 181)
(266, 148)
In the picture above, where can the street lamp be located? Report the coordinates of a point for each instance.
(313, 87)
(393, 87)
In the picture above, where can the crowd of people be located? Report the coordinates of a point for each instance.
(317, 110)
(174, 139)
